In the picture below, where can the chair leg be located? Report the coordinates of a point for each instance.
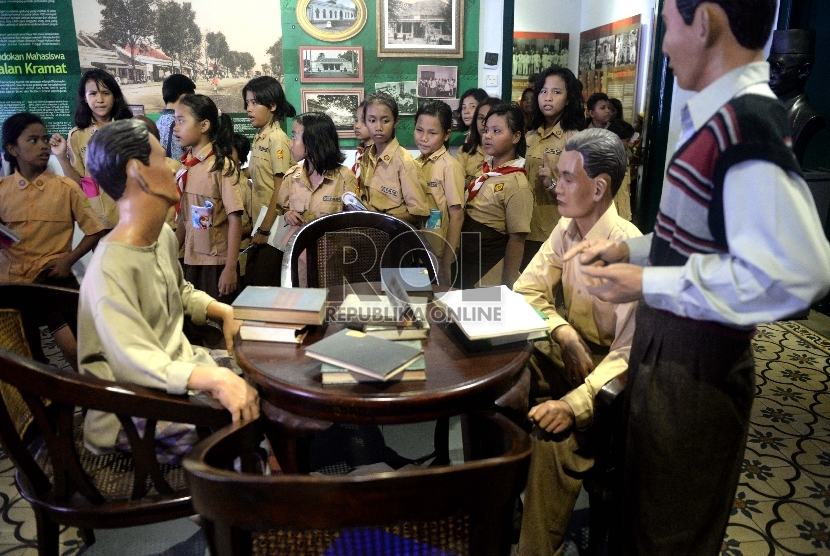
(47, 534)
(88, 535)
(441, 441)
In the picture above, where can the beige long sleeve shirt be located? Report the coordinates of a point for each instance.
(604, 324)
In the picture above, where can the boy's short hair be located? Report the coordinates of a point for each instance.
(594, 99)
(111, 148)
(176, 85)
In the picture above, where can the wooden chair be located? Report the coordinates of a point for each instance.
(352, 247)
(42, 431)
(606, 473)
(463, 509)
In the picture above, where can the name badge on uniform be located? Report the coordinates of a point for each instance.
(557, 152)
(331, 199)
(498, 187)
(432, 183)
(388, 190)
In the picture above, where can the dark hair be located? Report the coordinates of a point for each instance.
(749, 20)
(618, 106)
(602, 153)
(322, 147)
(512, 113)
(475, 137)
(111, 148)
(621, 128)
(13, 128)
(268, 91)
(220, 132)
(83, 114)
(594, 99)
(573, 115)
(440, 110)
(151, 125)
(382, 98)
(476, 93)
(175, 86)
(242, 146)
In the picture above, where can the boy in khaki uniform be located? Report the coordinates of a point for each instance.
(270, 155)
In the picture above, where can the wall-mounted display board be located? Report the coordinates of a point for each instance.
(608, 61)
(38, 61)
(429, 31)
(533, 52)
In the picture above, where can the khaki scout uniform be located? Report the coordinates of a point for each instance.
(208, 245)
(545, 213)
(504, 203)
(102, 204)
(390, 183)
(44, 213)
(471, 163)
(270, 155)
(443, 181)
(299, 195)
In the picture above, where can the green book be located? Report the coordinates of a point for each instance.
(361, 353)
(283, 305)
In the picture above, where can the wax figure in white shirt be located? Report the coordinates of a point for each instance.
(737, 242)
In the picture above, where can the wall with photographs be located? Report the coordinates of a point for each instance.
(411, 50)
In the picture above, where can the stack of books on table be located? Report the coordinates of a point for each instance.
(491, 317)
(351, 356)
(378, 316)
(273, 314)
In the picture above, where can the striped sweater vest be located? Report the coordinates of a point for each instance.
(691, 215)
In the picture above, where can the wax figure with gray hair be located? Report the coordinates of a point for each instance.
(589, 339)
(134, 296)
(737, 242)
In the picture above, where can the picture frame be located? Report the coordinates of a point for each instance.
(331, 23)
(339, 103)
(331, 64)
(439, 82)
(420, 30)
(404, 93)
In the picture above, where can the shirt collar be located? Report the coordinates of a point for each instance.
(433, 157)
(387, 153)
(202, 154)
(39, 182)
(267, 129)
(701, 107)
(555, 130)
(601, 230)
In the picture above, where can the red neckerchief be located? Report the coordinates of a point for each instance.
(181, 175)
(356, 166)
(517, 166)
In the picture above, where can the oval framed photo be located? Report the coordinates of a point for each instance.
(331, 20)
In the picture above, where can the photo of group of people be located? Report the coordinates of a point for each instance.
(437, 81)
(533, 52)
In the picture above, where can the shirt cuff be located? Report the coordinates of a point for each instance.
(198, 307)
(582, 405)
(638, 249)
(662, 285)
(178, 373)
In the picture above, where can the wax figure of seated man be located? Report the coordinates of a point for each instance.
(590, 339)
(134, 296)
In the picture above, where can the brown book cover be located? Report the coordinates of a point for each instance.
(285, 305)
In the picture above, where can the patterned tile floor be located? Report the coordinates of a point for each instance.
(783, 501)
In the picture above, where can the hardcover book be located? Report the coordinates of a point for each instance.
(285, 305)
(365, 354)
(332, 374)
(271, 332)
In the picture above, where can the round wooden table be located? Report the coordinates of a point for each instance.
(458, 380)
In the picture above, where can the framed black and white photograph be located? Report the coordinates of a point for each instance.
(331, 64)
(404, 93)
(331, 20)
(339, 104)
(605, 52)
(437, 81)
(420, 28)
(587, 56)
